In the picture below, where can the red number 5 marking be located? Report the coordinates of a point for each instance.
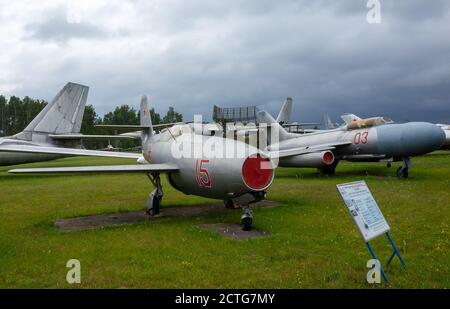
(202, 175)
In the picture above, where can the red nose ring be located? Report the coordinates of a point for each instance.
(257, 172)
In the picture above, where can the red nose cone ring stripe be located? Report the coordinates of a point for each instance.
(255, 173)
(328, 158)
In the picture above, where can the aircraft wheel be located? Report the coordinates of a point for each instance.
(402, 172)
(246, 223)
(155, 207)
(388, 165)
(405, 174)
(328, 170)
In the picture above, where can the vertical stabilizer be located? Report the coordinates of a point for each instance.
(267, 119)
(329, 125)
(64, 114)
(285, 113)
(146, 120)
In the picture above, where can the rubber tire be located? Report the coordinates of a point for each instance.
(246, 223)
(405, 174)
(156, 205)
(328, 170)
(402, 173)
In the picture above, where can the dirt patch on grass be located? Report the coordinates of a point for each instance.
(234, 231)
(121, 218)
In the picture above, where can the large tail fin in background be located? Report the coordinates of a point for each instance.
(328, 123)
(63, 115)
(265, 118)
(285, 113)
(146, 119)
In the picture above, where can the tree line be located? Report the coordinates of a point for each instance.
(16, 114)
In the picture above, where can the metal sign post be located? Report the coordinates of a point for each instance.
(368, 217)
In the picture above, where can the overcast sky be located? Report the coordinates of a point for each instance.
(193, 54)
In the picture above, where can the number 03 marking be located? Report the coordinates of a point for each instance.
(202, 175)
(361, 138)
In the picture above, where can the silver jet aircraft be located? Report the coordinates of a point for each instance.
(195, 164)
(446, 129)
(56, 127)
(361, 140)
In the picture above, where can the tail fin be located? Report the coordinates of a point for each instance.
(266, 118)
(349, 118)
(146, 120)
(327, 122)
(64, 114)
(285, 113)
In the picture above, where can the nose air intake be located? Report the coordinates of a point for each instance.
(328, 158)
(257, 172)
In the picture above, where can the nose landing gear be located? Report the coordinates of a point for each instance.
(155, 197)
(247, 218)
(245, 201)
(402, 171)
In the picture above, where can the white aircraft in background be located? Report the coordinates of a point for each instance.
(52, 131)
(446, 129)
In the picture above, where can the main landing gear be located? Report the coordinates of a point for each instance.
(329, 169)
(402, 171)
(155, 197)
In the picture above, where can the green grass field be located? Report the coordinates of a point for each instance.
(313, 243)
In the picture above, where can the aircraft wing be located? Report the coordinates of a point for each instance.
(274, 154)
(138, 127)
(141, 168)
(67, 151)
(90, 137)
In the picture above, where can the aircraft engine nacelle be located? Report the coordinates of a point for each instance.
(223, 178)
(314, 160)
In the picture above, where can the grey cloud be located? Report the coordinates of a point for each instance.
(57, 28)
(194, 54)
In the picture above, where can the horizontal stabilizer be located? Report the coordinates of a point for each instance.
(141, 168)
